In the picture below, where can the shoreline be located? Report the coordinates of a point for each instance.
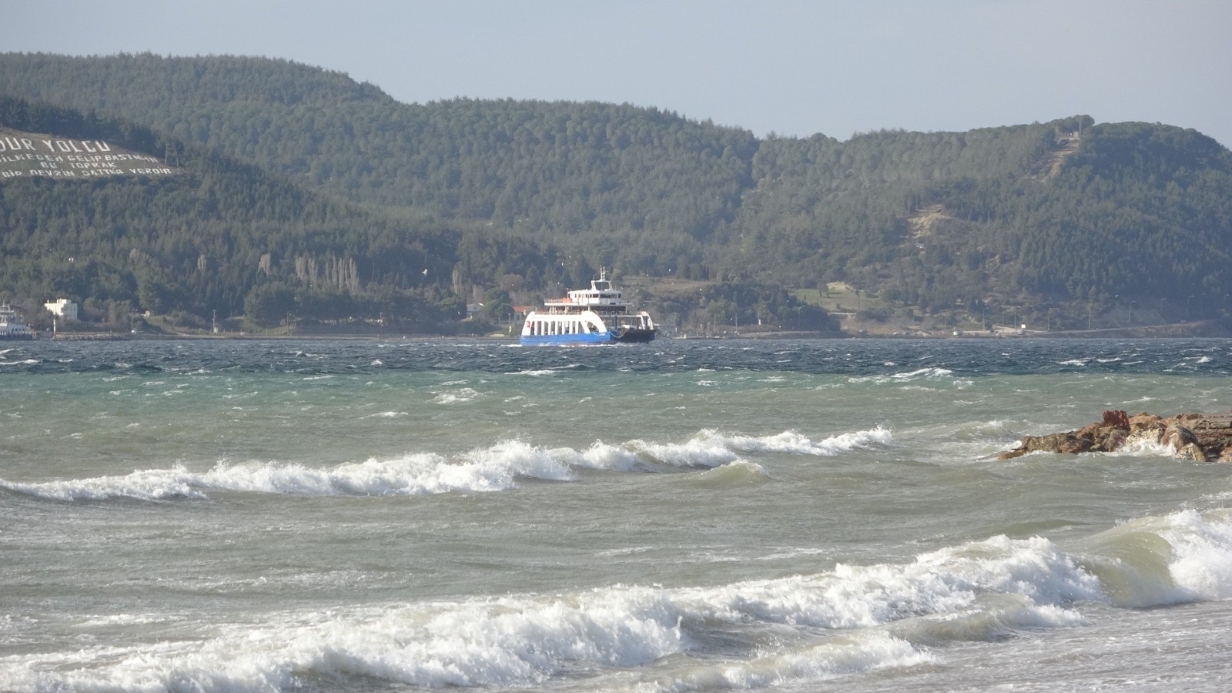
(1152, 333)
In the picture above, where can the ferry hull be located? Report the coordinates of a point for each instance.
(632, 335)
(567, 339)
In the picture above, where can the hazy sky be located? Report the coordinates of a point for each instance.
(792, 67)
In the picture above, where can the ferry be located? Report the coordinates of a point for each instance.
(598, 315)
(12, 326)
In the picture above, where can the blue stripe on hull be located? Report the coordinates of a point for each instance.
(568, 339)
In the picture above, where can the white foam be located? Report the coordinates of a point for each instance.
(465, 394)
(495, 468)
(943, 581)
(793, 442)
(600, 455)
(844, 657)
(386, 415)
(147, 484)
(698, 452)
(1202, 554)
(490, 469)
(1160, 560)
(27, 362)
(1141, 447)
(906, 376)
(500, 642)
(924, 373)
(524, 641)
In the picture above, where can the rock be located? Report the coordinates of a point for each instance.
(1197, 437)
(1144, 420)
(1146, 434)
(1177, 437)
(1191, 451)
(1069, 443)
(1116, 419)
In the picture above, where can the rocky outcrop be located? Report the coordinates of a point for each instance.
(1197, 437)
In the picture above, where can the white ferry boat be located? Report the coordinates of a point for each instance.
(598, 315)
(12, 326)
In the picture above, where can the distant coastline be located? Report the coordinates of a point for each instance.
(1203, 329)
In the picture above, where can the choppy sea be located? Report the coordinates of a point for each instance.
(680, 516)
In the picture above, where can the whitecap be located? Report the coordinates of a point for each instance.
(149, 484)
(489, 469)
(796, 443)
(465, 394)
(526, 640)
(698, 452)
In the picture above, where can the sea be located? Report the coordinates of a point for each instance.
(685, 515)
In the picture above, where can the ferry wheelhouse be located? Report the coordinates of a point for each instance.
(12, 326)
(598, 315)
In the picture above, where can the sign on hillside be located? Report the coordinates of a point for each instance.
(30, 155)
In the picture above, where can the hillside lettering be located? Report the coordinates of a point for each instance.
(22, 156)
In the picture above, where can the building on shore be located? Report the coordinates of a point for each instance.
(64, 308)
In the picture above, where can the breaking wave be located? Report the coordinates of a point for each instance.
(496, 468)
(845, 621)
(906, 376)
(491, 469)
(838, 618)
(795, 443)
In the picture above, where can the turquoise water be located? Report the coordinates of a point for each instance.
(687, 515)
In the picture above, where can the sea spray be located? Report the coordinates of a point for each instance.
(525, 640)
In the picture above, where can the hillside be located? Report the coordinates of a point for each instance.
(1050, 222)
(201, 234)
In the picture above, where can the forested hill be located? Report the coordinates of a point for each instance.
(530, 165)
(219, 235)
(1049, 218)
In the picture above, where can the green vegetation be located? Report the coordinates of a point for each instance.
(310, 197)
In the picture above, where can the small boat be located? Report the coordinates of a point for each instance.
(598, 315)
(12, 326)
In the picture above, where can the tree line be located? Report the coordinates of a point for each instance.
(523, 196)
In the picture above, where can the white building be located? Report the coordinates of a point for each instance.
(63, 308)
